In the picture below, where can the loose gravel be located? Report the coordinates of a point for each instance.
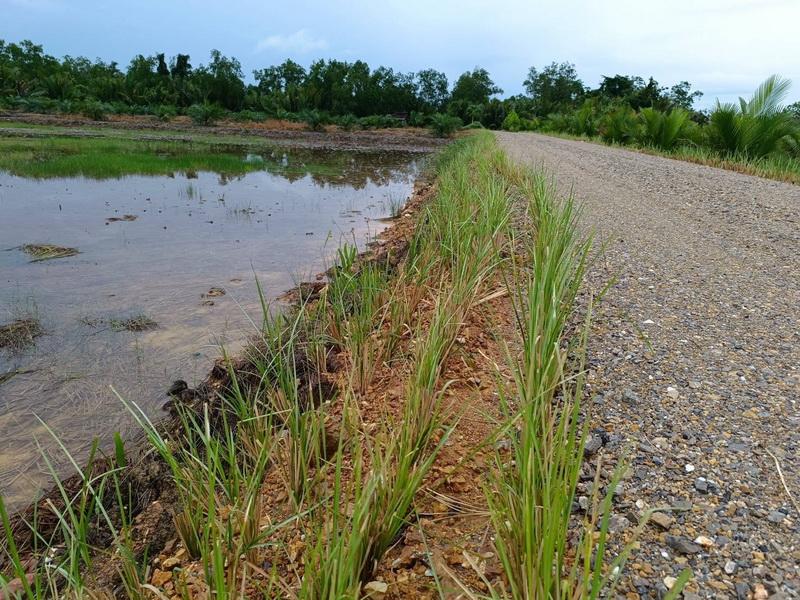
(695, 363)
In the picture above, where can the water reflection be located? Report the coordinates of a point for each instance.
(181, 252)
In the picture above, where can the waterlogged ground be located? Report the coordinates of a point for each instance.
(178, 251)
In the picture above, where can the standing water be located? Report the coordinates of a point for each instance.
(165, 273)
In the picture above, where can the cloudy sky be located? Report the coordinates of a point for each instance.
(723, 47)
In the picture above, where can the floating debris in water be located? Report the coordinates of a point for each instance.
(122, 218)
(20, 333)
(136, 323)
(41, 252)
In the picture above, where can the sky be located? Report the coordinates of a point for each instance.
(725, 48)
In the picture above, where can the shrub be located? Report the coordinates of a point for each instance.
(347, 122)
(380, 122)
(512, 122)
(205, 114)
(165, 112)
(530, 124)
(418, 119)
(95, 110)
(474, 125)
(660, 129)
(583, 121)
(755, 127)
(250, 115)
(444, 125)
(619, 125)
(315, 119)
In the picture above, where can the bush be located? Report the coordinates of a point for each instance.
(512, 122)
(418, 119)
(444, 125)
(95, 110)
(205, 114)
(474, 125)
(347, 122)
(315, 119)
(250, 115)
(165, 112)
(619, 125)
(662, 130)
(380, 122)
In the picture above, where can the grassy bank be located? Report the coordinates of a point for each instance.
(430, 387)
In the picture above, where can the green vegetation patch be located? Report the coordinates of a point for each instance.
(110, 158)
(40, 252)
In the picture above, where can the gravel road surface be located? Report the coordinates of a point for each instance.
(695, 362)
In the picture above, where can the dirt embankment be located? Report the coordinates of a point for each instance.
(694, 356)
(272, 131)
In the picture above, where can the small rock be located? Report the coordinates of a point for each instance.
(701, 485)
(160, 578)
(618, 523)
(760, 592)
(170, 563)
(682, 505)
(662, 520)
(377, 587)
(776, 516)
(705, 542)
(682, 545)
(730, 567)
(742, 590)
(689, 468)
(669, 581)
(672, 393)
(592, 445)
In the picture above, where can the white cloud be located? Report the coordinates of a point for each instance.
(301, 41)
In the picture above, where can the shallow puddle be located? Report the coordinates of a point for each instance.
(165, 272)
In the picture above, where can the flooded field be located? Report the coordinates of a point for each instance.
(135, 282)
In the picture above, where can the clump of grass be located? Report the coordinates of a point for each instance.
(20, 333)
(136, 323)
(40, 252)
(140, 322)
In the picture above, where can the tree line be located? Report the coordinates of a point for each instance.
(621, 109)
(34, 80)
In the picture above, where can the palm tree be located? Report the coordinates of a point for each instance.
(755, 127)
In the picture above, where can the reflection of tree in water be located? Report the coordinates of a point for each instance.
(334, 168)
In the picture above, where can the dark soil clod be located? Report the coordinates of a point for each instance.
(122, 218)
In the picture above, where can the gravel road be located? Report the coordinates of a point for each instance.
(695, 361)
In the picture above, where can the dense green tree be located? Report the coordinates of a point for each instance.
(474, 87)
(432, 90)
(555, 88)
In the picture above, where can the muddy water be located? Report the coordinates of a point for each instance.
(189, 235)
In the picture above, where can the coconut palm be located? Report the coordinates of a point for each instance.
(755, 127)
